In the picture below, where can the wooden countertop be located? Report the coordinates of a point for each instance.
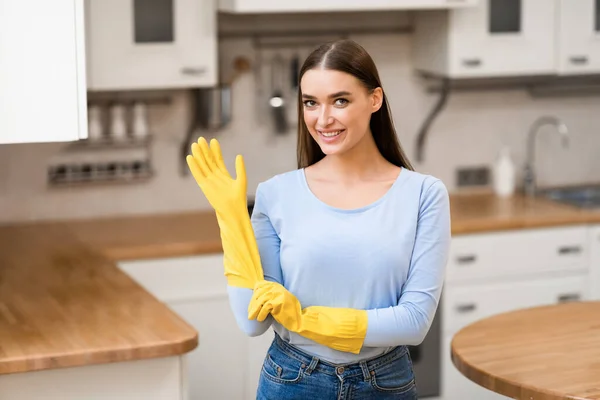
(484, 212)
(543, 353)
(63, 301)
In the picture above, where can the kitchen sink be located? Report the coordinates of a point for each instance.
(580, 196)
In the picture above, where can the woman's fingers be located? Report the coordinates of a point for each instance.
(215, 148)
(264, 312)
(207, 154)
(240, 170)
(196, 172)
(199, 157)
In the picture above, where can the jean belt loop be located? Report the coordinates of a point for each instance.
(312, 366)
(365, 370)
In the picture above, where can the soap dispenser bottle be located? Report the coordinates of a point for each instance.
(504, 173)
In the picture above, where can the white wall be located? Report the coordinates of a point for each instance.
(468, 132)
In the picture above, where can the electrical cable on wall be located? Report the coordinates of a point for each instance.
(438, 107)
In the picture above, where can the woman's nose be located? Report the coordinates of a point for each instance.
(324, 118)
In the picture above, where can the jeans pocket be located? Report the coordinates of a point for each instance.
(396, 376)
(280, 368)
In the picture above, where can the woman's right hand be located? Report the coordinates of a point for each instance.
(225, 194)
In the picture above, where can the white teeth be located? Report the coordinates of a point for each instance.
(331, 134)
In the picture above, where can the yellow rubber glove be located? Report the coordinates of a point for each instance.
(227, 196)
(341, 329)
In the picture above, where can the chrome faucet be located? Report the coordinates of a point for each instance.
(529, 179)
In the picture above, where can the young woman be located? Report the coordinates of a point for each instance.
(353, 244)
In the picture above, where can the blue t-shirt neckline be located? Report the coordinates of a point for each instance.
(400, 178)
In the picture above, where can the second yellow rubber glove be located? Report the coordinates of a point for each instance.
(227, 196)
(342, 329)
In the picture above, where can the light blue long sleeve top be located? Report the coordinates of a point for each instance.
(388, 258)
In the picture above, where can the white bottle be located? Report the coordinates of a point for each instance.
(118, 127)
(140, 121)
(95, 129)
(504, 173)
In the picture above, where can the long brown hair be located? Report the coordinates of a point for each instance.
(348, 56)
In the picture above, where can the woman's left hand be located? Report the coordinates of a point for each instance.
(272, 298)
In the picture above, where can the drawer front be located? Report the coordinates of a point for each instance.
(181, 278)
(517, 253)
(464, 305)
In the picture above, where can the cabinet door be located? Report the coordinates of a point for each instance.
(463, 305)
(43, 94)
(503, 38)
(579, 37)
(151, 44)
(595, 262)
(216, 366)
(456, 386)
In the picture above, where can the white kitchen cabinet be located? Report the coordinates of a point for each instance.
(595, 262)
(495, 272)
(497, 38)
(277, 6)
(519, 253)
(43, 94)
(226, 364)
(579, 37)
(151, 379)
(151, 44)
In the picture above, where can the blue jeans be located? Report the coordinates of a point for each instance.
(289, 373)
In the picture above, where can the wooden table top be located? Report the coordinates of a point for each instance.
(542, 353)
(63, 301)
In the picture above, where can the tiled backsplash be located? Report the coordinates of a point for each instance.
(469, 131)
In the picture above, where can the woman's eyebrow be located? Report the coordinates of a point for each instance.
(337, 94)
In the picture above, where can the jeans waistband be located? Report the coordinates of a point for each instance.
(363, 367)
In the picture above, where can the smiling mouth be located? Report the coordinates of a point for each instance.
(330, 134)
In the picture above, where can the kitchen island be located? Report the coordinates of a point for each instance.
(74, 325)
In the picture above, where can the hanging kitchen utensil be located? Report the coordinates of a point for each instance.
(277, 101)
(216, 102)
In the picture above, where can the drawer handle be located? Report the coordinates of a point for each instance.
(569, 250)
(564, 298)
(193, 71)
(466, 259)
(465, 308)
(579, 60)
(472, 62)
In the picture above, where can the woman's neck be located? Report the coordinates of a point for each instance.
(362, 162)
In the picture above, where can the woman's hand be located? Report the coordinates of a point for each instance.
(222, 191)
(227, 196)
(272, 298)
(342, 329)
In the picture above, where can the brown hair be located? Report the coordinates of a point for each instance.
(349, 57)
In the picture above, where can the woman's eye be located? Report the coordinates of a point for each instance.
(309, 103)
(341, 102)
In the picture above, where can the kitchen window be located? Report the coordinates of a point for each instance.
(153, 21)
(505, 16)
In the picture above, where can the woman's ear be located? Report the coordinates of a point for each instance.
(377, 99)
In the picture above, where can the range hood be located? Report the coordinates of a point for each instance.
(307, 6)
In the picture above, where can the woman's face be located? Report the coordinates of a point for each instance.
(337, 109)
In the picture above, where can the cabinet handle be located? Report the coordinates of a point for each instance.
(472, 62)
(579, 60)
(466, 259)
(569, 250)
(465, 308)
(564, 298)
(193, 71)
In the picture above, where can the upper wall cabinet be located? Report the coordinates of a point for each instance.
(151, 44)
(579, 37)
(43, 94)
(494, 39)
(279, 6)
